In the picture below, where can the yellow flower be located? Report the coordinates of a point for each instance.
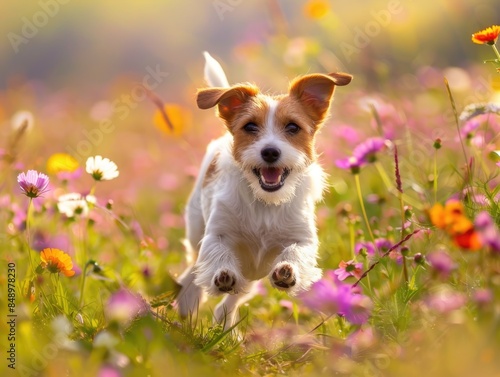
(178, 117)
(316, 9)
(55, 261)
(488, 35)
(61, 162)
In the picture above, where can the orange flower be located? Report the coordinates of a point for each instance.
(451, 217)
(488, 35)
(57, 261)
(468, 240)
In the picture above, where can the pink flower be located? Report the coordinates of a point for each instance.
(488, 231)
(367, 248)
(445, 301)
(123, 306)
(349, 268)
(33, 184)
(441, 263)
(367, 151)
(364, 153)
(482, 296)
(331, 296)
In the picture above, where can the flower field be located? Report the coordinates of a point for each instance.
(96, 166)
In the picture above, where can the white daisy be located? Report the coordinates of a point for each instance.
(75, 204)
(101, 169)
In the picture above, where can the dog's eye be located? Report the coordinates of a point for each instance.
(292, 128)
(251, 128)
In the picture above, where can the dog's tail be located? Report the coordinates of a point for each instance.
(214, 74)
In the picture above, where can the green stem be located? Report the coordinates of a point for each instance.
(403, 220)
(352, 239)
(363, 209)
(28, 234)
(82, 287)
(435, 183)
(496, 51)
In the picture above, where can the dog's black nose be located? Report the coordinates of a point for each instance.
(270, 154)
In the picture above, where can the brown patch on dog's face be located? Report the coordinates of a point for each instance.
(289, 112)
(254, 112)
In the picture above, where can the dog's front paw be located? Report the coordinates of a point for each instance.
(225, 281)
(284, 276)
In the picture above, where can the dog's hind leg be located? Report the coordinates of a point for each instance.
(226, 312)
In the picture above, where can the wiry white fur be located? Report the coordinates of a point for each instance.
(237, 228)
(214, 74)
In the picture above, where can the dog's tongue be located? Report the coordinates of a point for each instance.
(271, 175)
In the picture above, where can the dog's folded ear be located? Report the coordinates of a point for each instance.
(229, 100)
(315, 92)
(340, 78)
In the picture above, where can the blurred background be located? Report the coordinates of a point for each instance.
(84, 45)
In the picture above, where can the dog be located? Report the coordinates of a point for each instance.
(251, 213)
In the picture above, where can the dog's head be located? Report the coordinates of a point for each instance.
(274, 135)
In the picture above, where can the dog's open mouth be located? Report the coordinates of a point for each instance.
(271, 178)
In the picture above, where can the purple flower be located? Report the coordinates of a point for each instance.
(349, 268)
(367, 248)
(366, 151)
(445, 300)
(441, 263)
(349, 163)
(482, 296)
(123, 306)
(109, 371)
(361, 340)
(383, 244)
(331, 296)
(488, 231)
(468, 128)
(33, 184)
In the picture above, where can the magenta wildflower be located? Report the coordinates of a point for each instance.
(488, 231)
(33, 184)
(361, 340)
(349, 268)
(109, 371)
(467, 130)
(349, 163)
(364, 248)
(363, 154)
(441, 263)
(383, 244)
(482, 296)
(366, 152)
(330, 296)
(445, 300)
(123, 306)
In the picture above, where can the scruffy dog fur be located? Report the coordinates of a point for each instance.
(251, 213)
